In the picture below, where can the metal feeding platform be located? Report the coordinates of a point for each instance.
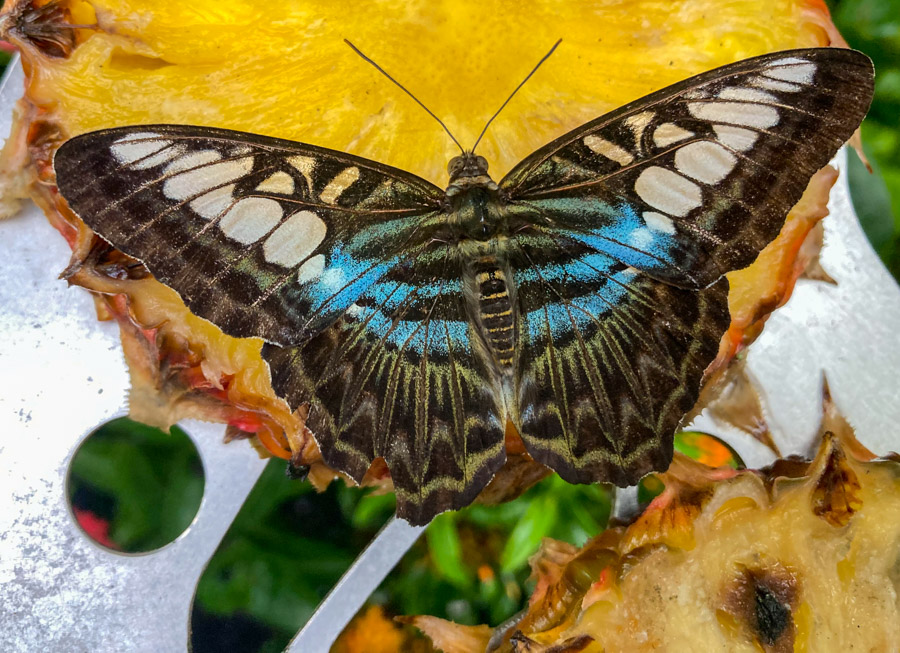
(62, 375)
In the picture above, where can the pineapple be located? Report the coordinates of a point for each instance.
(802, 556)
(281, 69)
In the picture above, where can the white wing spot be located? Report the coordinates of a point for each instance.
(305, 165)
(629, 271)
(668, 133)
(775, 85)
(705, 161)
(611, 151)
(737, 138)
(280, 182)
(638, 123)
(740, 113)
(792, 70)
(668, 191)
(295, 239)
(135, 147)
(659, 222)
(211, 205)
(163, 156)
(341, 182)
(787, 61)
(201, 174)
(312, 269)
(192, 160)
(745, 94)
(251, 219)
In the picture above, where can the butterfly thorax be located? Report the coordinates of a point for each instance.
(473, 203)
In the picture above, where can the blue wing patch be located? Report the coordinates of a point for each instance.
(618, 231)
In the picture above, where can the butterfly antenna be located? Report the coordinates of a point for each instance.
(404, 89)
(533, 71)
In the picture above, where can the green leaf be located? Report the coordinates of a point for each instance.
(154, 478)
(871, 200)
(525, 538)
(873, 26)
(372, 511)
(446, 552)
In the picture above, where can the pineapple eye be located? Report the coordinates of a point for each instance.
(760, 602)
(772, 616)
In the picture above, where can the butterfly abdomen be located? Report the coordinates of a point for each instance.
(495, 311)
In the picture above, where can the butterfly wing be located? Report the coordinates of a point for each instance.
(611, 359)
(330, 258)
(629, 223)
(262, 236)
(397, 377)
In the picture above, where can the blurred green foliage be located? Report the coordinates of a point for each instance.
(873, 26)
(289, 545)
(148, 483)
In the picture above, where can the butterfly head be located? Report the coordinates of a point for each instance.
(468, 164)
(467, 170)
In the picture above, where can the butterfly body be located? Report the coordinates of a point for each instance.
(478, 217)
(580, 298)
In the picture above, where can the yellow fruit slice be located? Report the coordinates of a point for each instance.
(281, 68)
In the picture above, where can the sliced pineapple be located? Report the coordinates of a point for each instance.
(281, 68)
(801, 557)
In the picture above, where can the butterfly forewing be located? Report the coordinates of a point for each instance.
(262, 236)
(692, 181)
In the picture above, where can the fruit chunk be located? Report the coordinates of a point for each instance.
(799, 557)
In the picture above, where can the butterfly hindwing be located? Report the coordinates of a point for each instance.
(397, 377)
(610, 360)
(631, 220)
(264, 237)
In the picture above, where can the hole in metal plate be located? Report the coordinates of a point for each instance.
(133, 488)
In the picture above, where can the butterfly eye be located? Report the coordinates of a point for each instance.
(455, 166)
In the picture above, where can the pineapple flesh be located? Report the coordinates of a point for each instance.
(800, 557)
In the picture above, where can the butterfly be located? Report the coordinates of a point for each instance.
(580, 298)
